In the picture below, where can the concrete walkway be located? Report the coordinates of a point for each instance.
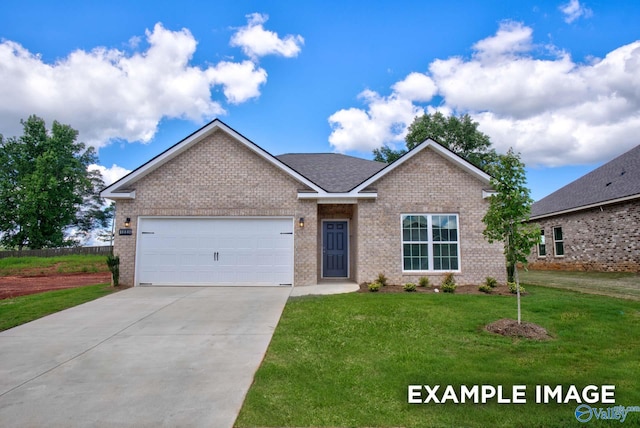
(326, 287)
(143, 357)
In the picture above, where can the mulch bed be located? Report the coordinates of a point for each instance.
(500, 290)
(13, 286)
(511, 328)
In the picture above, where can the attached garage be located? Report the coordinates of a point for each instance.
(206, 251)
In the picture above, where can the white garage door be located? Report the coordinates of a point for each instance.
(215, 251)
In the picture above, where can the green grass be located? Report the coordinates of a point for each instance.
(347, 360)
(20, 310)
(88, 263)
(624, 285)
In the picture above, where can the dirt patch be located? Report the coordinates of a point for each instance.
(500, 290)
(13, 286)
(511, 328)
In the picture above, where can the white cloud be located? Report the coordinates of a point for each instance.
(574, 10)
(255, 41)
(110, 175)
(512, 38)
(554, 111)
(241, 81)
(109, 94)
(416, 87)
(386, 119)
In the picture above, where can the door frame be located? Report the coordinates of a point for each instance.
(348, 250)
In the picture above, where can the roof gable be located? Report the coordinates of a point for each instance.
(122, 189)
(438, 148)
(614, 181)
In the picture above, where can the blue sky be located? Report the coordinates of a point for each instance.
(557, 80)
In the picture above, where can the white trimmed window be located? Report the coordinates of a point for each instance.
(430, 242)
(558, 242)
(542, 247)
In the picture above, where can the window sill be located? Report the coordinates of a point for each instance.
(430, 272)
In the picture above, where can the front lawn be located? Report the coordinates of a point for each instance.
(20, 310)
(347, 360)
(613, 284)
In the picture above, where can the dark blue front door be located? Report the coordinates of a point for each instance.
(335, 249)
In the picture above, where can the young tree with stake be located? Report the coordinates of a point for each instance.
(508, 214)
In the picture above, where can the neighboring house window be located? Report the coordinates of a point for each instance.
(558, 241)
(542, 248)
(430, 242)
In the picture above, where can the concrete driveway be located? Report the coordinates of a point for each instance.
(143, 357)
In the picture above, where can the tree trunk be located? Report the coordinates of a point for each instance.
(510, 272)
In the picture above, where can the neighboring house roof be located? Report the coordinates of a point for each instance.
(327, 176)
(615, 181)
(332, 171)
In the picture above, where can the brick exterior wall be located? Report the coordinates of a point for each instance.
(428, 184)
(606, 239)
(219, 177)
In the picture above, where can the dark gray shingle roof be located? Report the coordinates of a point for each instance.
(619, 178)
(332, 171)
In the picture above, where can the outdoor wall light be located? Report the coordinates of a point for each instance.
(127, 222)
(301, 222)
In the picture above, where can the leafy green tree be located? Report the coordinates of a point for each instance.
(386, 154)
(509, 210)
(46, 188)
(458, 134)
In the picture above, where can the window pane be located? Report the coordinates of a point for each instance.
(414, 228)
(559, 249)
(557, 233)
(445, 256)
(415, 256)
(424, 263)
(453, 249)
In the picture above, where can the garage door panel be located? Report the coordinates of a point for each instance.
(214, 251)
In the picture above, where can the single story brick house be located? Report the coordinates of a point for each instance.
(592, 223)
(217, 209)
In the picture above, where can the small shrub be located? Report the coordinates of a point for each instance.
(423, 281)
(513, 290)
(491, 282)
(485, 288)
(448, 283)
(374, 286)
(114, 266)
(382, 279)
(409, 286)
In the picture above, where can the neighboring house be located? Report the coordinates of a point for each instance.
(216, 209)
(592, 223)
